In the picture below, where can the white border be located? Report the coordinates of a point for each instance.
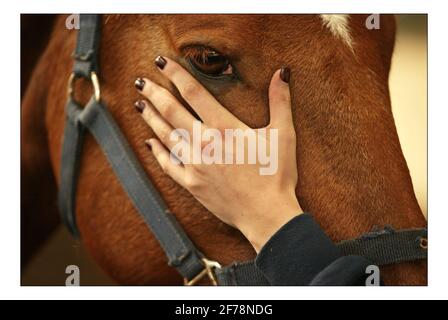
(10, 166)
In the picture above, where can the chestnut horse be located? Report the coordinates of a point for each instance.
(352, 172)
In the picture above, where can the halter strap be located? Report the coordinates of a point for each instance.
(96, 119)
(382, 247)
(87, 46)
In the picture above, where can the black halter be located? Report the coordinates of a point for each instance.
(381, 247)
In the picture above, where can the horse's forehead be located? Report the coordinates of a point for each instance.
(243, 26)
(245, 29)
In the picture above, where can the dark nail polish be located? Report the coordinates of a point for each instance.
(160, 62)
(285, 74)
(139, 84)
(139, 106)
(148, 144)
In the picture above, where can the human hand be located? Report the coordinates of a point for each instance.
(256, 196)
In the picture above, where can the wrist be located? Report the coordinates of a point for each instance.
(269, 220)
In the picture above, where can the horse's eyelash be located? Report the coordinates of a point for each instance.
(199, 54)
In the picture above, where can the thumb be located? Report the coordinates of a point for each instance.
(280, 99)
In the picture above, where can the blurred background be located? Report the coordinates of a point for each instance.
(408, 87)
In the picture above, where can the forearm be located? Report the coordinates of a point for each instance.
(300, 253)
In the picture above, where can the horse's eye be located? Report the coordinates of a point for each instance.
(208, 62)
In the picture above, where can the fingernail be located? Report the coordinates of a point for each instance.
(139, 106)
(285, 74)
(148, 144)
(139, 84)
(160, 62)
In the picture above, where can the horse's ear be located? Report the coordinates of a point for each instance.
(387, 38)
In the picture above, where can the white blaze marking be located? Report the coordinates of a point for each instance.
(338, 25)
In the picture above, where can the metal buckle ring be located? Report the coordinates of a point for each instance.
(93, 79)
(424, 243)
(209, 267)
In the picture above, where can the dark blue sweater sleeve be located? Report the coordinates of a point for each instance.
(300, 253)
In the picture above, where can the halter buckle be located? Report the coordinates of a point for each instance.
(209, 268)
(423, 241)
(93, 79)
